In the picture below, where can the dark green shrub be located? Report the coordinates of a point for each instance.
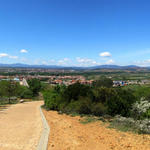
(103, 82)
(147, 114)
(74, 91)
(26, 93)
(98, 109)
(120, 103)
(51, 100)
(35, 86)
(84, 105)
(101, 94)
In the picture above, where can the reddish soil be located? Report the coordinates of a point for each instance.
(67, 133)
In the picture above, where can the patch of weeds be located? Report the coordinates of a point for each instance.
(74, 114)
(90, 119)
(123, 127)
(44, 107)
(131, 125)
(102, 119)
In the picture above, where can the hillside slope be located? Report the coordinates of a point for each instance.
(67, 133)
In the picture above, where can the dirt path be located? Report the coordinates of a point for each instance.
(67, 133)
(20, 126)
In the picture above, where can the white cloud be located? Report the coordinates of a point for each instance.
(9, 56)
(142, 63)
(52, 61)
(83, 60)
(23, 51)
(61, 61)
(44, 62)
(86, 62)
(105, 54)
(64, 61)
(13, 57)
(110, 61)
(3, 55)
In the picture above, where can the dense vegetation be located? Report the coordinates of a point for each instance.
(98, 99)
(132, 104)
(10, 90)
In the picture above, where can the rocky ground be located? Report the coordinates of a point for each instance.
(67, 133)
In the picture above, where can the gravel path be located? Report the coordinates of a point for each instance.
(20, 126)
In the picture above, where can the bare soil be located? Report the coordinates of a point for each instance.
(67, 133)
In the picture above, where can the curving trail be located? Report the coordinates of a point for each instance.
(21, 126)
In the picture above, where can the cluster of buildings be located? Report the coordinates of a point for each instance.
(66, 80)
(53, 80)
(120, 83)
(20, 80)
(130, 82)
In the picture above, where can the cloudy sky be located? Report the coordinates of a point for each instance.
(75, 32)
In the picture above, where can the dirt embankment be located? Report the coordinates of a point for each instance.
(67, 133)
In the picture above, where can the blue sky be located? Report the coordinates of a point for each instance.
(75, 32)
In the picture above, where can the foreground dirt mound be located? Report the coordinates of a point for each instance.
(67, 133)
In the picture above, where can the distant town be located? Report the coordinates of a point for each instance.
(67, 80)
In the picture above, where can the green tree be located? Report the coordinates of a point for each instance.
(74, 91)
(25, 92)
(100, 94)
(34, 86)
(9, 89)
(120, 102)
(105, 82)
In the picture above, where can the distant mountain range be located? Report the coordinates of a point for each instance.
(19, 65)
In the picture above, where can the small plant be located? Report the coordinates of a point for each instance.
(143, 126)
(129, 124)
(98, 109)
(89, 119)
(141, 109)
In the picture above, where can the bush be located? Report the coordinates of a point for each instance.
(80, 106)
(141, 109)
(147, 114)
(35, 86)
(101, 94)
(25, 92)
(103, 82)
(143, 126)
(74, 91)
(98, 109)
(51, 100)
(84, 105)
(130, 124)
(81, 99)
(120, 103)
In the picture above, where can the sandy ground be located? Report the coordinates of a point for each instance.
(67, 133)
(20, 126)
